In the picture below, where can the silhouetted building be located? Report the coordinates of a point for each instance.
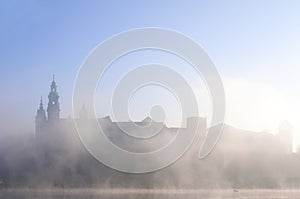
(53, 104)
(54, 133)
(40, 118)
(53, 109)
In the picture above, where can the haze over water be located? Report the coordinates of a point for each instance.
(159, 194)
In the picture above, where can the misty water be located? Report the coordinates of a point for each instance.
(145, 193)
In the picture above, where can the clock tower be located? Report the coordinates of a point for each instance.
(53, 109)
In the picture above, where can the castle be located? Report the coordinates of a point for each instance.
(267, 156)
(241, 159)
(53, 131)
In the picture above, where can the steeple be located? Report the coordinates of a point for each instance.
(53, 104)
(41, 104)
(40, 117)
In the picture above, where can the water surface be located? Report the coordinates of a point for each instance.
(146, 193)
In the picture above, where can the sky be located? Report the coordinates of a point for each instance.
(255, 46)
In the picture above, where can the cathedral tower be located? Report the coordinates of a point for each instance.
(53, 104)
(40, 117)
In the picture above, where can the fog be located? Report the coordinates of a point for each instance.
(240, 160)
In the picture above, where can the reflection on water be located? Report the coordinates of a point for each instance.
(145, 194)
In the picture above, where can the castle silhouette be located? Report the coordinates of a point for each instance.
(57, 158)
(53, 132)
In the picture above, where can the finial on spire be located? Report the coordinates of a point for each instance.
(53, 85)
(41, 104)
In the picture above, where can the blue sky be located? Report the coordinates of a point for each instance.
(254, 44)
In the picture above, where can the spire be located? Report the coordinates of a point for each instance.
(53, 85)
(41, 103)
(40, 114)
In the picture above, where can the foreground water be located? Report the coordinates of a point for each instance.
(146, 193)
